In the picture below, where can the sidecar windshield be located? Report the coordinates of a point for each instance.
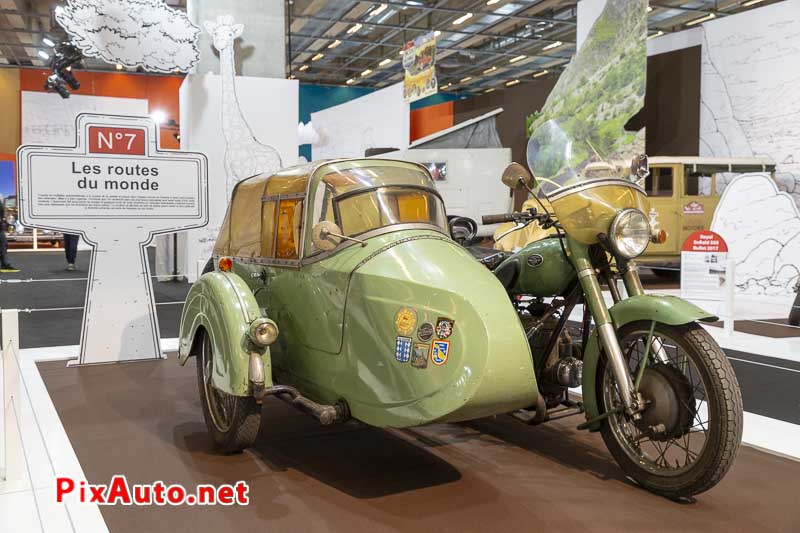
(559, 157)
(362, 198)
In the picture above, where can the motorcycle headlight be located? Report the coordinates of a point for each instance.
(263, 331)
(629, 233)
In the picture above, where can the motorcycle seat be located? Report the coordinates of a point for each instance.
(488, 256)
(508, 274)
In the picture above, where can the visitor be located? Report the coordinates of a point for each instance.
(5, 266)
(71, 249)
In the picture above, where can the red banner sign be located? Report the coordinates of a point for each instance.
(108, 140)
(705, 241)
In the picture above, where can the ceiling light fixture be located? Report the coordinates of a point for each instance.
(335, 43)
(119, 67)
(487, 91)
(377, 11)
(659, 33)
(512, 82)
(649, 9)
(488, 70)
(317, 57)
(702, 19)
(518, 58)
(445, 86)
(366, 72)
(491, 3)
(462, 18)
(540, 73)
(43, 54)
(303, 67)
(354, 28)
(465, 80)
(553, 45)
(437, 33)
(752, 3)
(48, 42)
(384, 62)
(351, 81)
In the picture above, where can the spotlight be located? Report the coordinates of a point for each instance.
(65, 55)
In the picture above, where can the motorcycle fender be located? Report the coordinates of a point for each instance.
(669, 310)
(222, 304)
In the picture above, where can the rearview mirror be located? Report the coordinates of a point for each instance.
(325, 235)
(515, 176)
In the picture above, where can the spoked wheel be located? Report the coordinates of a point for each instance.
(232, 421)
(690, 430)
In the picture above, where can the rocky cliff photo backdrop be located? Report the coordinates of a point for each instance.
(595, 96)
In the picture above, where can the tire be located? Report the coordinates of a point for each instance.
(232, 421)
(723, 406)
(794, 314)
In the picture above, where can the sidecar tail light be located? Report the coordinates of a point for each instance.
(225, 264)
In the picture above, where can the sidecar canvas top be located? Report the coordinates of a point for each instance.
(282, 199)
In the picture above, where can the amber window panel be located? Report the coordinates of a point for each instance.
(246, 217)
(289, 215)
(268, 215)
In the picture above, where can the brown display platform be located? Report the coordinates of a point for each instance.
(144, 420)
(777, 328)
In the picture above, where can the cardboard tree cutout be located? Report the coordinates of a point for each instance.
(117, 190)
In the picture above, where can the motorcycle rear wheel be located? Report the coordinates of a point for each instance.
(690, 431)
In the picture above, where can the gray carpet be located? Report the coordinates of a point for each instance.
(60, 328)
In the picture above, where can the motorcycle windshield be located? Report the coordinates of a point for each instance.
(559, 158)
(584, 189)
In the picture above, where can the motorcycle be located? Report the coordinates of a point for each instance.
(653, 382)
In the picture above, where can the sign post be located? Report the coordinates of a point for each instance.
(703, 266)
(117, 190)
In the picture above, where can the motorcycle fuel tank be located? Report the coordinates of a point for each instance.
(539, 269)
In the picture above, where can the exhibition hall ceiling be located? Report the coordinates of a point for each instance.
(483, 45)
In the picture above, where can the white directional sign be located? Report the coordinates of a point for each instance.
(117, 190)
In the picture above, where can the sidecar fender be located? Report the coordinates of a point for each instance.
(221, 304)
(659, 308)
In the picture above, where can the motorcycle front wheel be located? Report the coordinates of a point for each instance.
(690, 430)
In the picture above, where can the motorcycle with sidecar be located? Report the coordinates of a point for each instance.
(386, 320)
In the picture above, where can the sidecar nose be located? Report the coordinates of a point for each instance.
(436, 337)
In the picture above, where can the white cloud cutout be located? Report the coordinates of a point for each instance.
(133, 33)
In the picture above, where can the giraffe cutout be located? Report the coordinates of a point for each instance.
(245, 156)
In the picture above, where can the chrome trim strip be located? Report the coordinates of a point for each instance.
(289, 196)
(586, 272)
(373, 233)
(578, 187)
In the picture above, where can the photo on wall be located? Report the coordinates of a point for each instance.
(8, 187)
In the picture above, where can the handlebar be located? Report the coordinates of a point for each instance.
(497, 219)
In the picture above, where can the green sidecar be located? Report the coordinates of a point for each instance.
(382, 317)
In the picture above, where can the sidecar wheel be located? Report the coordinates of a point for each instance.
(232, 421)
(689, 434)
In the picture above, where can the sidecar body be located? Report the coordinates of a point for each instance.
(378, 309)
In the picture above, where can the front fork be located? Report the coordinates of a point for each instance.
(593, 295)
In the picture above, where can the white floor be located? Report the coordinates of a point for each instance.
(27, 501)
